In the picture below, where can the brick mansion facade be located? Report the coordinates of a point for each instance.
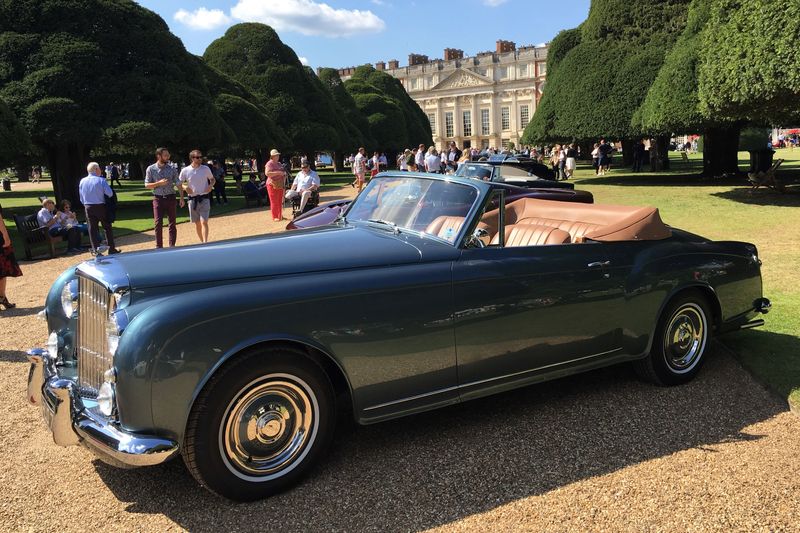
(481, 101)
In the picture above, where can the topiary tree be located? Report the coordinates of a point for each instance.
(750, 61)
(600, 78)
(358, 129)
(673, 101)
(395, 119)
(254, 55)
(14, 141)
(77, 86)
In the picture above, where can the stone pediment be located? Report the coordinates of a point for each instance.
(461, 79)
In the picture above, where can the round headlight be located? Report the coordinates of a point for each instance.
(52, 345)
(69, 298)
(105, 398)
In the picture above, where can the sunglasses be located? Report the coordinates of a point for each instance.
(197, 157)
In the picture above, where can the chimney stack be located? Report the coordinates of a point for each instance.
(505, 46)
(416, 59)
(394, 64)
(453, 53)
(380, 65)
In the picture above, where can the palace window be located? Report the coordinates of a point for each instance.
(505, 118)
(542, 68)
(522, 71)
(524, 116)
(448, 124)
(432, 120)
(467, 123)
(484, 122)
(502, 73)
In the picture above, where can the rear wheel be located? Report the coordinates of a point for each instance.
(680, 341)
(260, 424)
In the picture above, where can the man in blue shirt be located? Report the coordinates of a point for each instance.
(93, 192)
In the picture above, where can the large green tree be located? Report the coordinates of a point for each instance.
(254, 55)
(14, 142)
(750, 61)
(601, 76)
(396, 121)
(673, 106)
(89, 73)
(357, 132)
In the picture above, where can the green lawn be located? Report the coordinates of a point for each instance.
(726, 211)
(718, 210)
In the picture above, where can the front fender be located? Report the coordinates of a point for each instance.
(170, 350)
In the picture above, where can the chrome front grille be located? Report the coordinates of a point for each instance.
(93, 356)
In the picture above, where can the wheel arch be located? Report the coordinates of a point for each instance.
(707, 291)
(343, 391)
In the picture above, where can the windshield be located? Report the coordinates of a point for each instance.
(470, 170)
(429, 206)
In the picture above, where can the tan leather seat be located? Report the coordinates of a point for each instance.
(532, 235)
(597, 222)
(441, 225)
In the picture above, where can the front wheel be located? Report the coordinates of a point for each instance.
(680, 342)
(260, 424)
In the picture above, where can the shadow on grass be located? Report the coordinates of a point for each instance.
(434, 468)
(773, 358)
(763, 196)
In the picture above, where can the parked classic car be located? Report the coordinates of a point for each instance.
(509, 173)
(237, 355)
(328, 212)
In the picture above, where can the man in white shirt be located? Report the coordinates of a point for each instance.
(419, 157)
(360, 167)
(306, 182)
(198, 182)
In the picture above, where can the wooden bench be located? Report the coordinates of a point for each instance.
(33, 235)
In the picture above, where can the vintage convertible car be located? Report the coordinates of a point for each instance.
(328, 212)
(237, 355)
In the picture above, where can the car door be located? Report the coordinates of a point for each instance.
(521, 312)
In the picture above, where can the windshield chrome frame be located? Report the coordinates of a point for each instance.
(468, 218)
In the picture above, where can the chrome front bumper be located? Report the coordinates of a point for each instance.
(72, 423)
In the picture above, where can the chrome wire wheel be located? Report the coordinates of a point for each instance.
(685, 338)
(269, 427)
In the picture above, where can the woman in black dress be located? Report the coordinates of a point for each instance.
(8, 263)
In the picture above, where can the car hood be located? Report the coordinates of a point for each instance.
(310, 250)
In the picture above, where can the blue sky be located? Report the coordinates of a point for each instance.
(341, 33)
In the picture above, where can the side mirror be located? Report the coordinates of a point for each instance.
(479, 239)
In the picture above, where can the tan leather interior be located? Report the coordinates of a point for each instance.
(533, 235)
(598, 222)
(441, 225)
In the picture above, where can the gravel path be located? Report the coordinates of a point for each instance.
(600, 452)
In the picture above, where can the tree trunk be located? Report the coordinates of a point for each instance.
(627, 152)
(721, 151)
(659, 153)
(23, 171)
(338, 161)
(67, 168)
(135, 170)
(586, 150)
(260, 162)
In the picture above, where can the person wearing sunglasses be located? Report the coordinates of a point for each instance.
(197, 181)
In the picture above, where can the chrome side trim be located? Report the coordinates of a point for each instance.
(753, 324)
(537, 369)
(411, 398)
(480, 382)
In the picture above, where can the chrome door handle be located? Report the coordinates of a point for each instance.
(598, 264)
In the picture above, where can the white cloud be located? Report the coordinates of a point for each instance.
(303, 60)
(379, 2)
(308, 17)
(202, 18)
(494, 3)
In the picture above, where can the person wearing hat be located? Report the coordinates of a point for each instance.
(276, 182)
(306, 182)
(49, 220)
